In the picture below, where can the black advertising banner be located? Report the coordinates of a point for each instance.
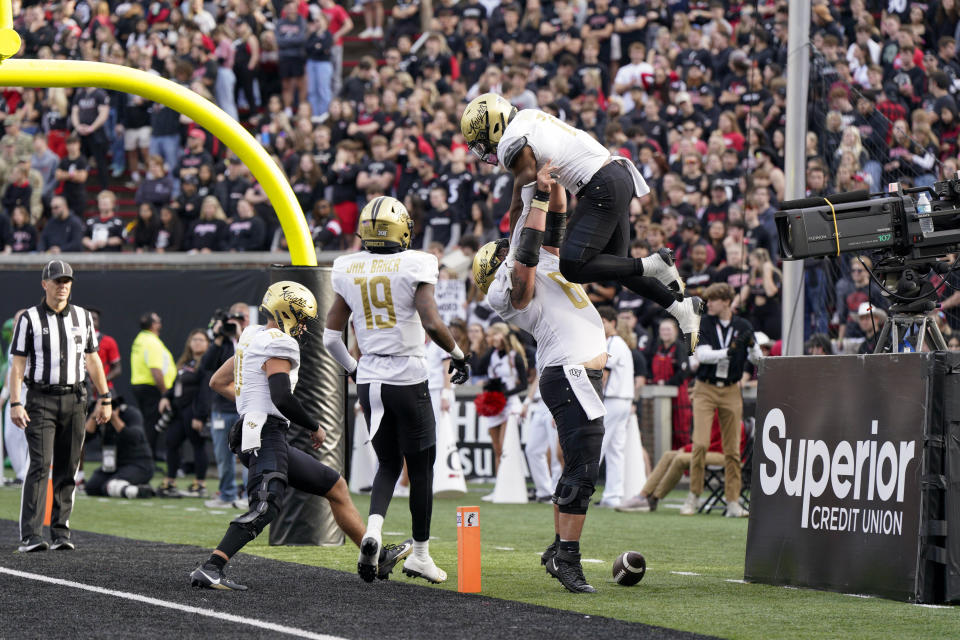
(836, 494)
(184, 298)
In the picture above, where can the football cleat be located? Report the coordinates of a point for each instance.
(369, 554)
(209, 577)
(566, 568)
(426, 569)
(688, 313)
(662, 266)
(547, 555)
(390, 555)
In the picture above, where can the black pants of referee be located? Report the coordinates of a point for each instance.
(54, 435)
(598, 236)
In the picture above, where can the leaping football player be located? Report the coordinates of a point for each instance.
(597, 235)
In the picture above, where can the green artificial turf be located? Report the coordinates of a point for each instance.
(713, 601)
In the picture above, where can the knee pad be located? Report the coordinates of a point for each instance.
(257, 518)
(575, 488)
(264, 503)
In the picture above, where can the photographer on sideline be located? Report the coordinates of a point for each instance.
(225, 329)
(127, 464)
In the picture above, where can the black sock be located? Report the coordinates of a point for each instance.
(217, 561)
(556, 540)
(571, 547)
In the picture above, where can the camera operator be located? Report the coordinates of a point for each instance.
(127, 462)
(226, 328)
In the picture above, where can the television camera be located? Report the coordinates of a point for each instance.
(889, 227)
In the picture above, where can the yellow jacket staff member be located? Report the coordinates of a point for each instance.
(152, 372)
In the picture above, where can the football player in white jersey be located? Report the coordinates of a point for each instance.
(597, 236)
(532, 293)
(390, 292)
(261, 377)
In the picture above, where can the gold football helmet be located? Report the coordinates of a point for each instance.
(483, 123)
(291, 305)
(385, 224)
(487, 261)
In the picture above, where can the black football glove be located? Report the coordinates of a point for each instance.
(460, 370)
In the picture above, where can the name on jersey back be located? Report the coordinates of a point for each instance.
(391, 265)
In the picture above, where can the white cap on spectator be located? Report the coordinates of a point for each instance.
(682, 96)
(866, 309)
(761, 338)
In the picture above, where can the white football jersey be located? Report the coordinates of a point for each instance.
(379, 289)
(560, 316)
(576, 153)
(620, 365)
(256, 345)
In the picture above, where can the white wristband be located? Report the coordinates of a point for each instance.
(456, 354)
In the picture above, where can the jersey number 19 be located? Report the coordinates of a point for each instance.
(375, 294)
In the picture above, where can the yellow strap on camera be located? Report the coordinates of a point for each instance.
(836, 231)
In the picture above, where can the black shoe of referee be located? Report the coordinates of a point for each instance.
(209, 577)
(390, 555)
(33, 543)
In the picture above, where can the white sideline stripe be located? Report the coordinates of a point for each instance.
(684, 573)
(229, 617)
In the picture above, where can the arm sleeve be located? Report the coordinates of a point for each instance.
(333, 342)
(289, 406)
(709, 355)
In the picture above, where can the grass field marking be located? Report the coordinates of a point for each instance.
(736, 581)
(504, 548)
(684, 573)
(228, 617)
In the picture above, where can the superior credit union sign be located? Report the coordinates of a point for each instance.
(835, 499)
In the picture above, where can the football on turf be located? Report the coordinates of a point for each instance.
(628, 568)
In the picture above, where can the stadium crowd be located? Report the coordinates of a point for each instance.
(692, 91)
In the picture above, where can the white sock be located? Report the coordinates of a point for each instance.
(674, 308)
(374, 527)
(421, 549)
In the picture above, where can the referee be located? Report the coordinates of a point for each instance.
(52, 344)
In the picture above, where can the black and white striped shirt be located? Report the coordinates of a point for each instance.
(54, 344)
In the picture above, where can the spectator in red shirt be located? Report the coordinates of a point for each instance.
(339, 24)
(109, 351)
